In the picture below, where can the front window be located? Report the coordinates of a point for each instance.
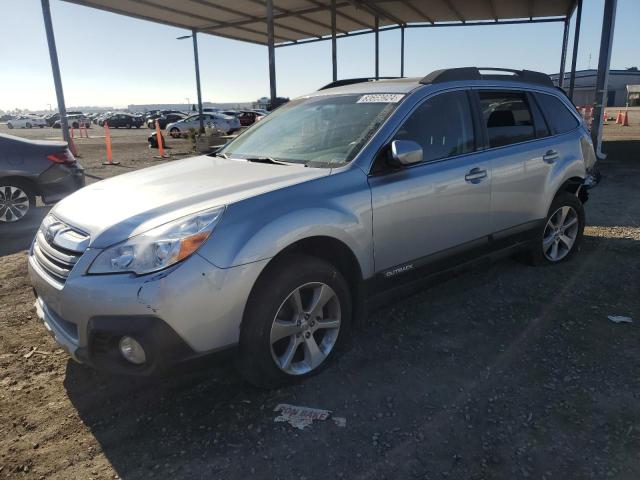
(322, 130)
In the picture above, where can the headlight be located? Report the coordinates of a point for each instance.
(160, 247)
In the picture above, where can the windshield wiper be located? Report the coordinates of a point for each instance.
(221, 155)
(264, 160)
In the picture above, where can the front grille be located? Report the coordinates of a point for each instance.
(57, 248)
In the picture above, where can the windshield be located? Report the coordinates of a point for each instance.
(324, 129)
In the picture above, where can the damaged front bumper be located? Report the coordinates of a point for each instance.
(188, 310)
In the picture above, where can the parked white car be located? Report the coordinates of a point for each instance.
(27, 121)
(225, 123)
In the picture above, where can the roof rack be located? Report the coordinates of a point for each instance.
(351, 81)
(473, 73)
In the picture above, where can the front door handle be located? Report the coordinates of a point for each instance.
(551, 156)
(475, 175)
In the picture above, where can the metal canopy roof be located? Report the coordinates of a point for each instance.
(300, 20)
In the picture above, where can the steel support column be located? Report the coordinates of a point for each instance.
(563, 55)
(602, 80)
(55, 69)
(377, 40)
(272, 53)
(402, 50)
(574, 58)
(334, 46)
(194, 34)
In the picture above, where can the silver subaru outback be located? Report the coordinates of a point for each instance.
(276, 244)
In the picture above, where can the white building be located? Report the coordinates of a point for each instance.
(585, 89)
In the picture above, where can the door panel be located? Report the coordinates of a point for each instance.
(521, 154)
(438, 204)
(422, 210)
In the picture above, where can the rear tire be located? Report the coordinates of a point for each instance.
(175, 132)
(562, 232)
(28, 125)
(17, 199)
(10, 126)
(287, 336)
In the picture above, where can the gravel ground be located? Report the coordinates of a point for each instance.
(505, 371)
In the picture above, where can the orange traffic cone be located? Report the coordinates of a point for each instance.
(625, 120)
(160, 141)
(619, 117)
(107, 141)
(72, 144)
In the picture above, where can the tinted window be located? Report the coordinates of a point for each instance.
(441, 125)
(507, 117)
(558, 115)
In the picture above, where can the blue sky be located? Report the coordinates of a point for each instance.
(111, 60)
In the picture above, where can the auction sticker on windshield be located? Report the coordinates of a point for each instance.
(381, 98)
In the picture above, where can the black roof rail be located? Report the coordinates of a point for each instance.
(473, 73)
(351, 81)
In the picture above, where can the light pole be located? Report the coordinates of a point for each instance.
(194, 35)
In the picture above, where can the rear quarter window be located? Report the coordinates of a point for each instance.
(558, 116)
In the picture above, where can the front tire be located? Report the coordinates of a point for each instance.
(297, 317)
(28, 125)
(562, 232)
(175, 132)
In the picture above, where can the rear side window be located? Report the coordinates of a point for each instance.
(558, 116)
(507, 117)
(442, 125)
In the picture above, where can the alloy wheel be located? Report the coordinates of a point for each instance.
(14, 203)
(560, 233)
(305, 328)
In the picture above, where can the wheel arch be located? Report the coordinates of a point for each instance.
(333, 251)
(572, 185)
(29, 182)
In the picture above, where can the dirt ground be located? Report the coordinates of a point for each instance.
(504, 371)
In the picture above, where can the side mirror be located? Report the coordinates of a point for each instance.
(406, 152)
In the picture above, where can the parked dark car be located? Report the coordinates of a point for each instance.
(55, 117)
(163, 120)
(125, 120)
(246, 117)
(34, 168)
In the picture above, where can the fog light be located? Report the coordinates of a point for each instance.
(132, 351)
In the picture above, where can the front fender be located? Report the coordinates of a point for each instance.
(258, 228)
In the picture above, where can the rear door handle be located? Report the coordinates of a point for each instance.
(475, 175)
(551, 156)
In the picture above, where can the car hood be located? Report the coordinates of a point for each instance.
(115, 209)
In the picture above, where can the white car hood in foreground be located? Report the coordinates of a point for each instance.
(117, 208)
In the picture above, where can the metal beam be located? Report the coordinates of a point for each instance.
(272, 53)
(492, 7)
(563, 55)
(194, 34)
(376, 10)
(178, 11)
(377, 37)
(416, 10)
(402, 51)
(285, 13)
(220, 24)
(455, 11)
(334, 43)
(428, 25)
(576, 41)
(55, 69)
(602, 80)
(341, 14)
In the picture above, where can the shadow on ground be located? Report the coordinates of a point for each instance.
(501, 372)
(17, 236)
